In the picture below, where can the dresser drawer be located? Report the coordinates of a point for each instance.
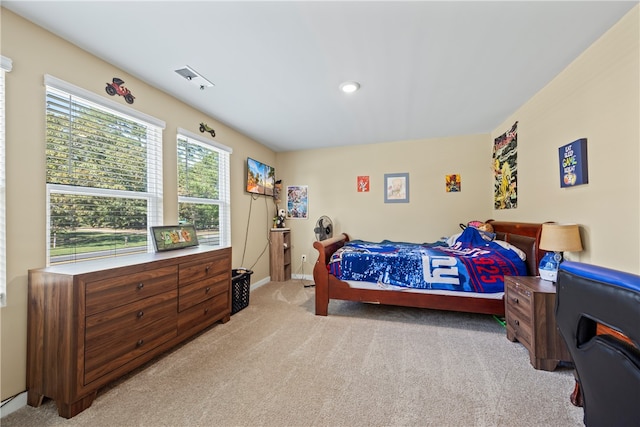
(203, 269)
(196, 292)
(205, 313)
(107, 352)
(102, 295)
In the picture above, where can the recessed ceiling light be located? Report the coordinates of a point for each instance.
(349, 87)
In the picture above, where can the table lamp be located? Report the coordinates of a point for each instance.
(557, 238)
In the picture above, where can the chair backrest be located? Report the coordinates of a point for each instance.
(598, 314)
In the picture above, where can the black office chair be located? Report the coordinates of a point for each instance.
(598, 314)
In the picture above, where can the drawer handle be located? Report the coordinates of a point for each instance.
(206, 310)
(140, 314)
(206, 291)
(140, 342)
(515, 300)
(516, 322)
(207, 268)
(140, 285)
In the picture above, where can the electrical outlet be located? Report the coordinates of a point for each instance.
(304, 258)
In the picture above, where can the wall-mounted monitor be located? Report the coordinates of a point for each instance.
(261, 178)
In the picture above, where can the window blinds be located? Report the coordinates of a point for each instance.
(104, 173)
(203, 187)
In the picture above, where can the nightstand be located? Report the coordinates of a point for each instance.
(530, 319)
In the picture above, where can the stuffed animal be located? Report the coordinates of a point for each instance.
(279, 219)
(485, 229)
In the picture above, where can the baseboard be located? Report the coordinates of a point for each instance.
(12, 404)
(260, 283)
(293, 277)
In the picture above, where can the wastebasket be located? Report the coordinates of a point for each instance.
(240, 284)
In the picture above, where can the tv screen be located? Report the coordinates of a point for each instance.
(260, 178)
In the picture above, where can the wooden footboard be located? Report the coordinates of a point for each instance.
(526, 236)
(321, 274)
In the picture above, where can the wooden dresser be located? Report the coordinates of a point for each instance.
(91, 322)
(530, 319)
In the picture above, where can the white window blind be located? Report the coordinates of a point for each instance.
(5, 66)
(203, 188)
(104, 176)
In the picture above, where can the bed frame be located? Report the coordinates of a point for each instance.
(524, 235)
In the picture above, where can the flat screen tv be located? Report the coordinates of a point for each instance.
(261, 178)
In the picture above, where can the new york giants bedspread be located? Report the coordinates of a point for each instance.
(471, 264)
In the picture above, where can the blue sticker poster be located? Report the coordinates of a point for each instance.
(573, 163)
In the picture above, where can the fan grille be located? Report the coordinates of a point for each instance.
(324, 228)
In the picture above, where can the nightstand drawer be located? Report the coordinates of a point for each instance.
(518, 293)
(518, 302)
(520, 327)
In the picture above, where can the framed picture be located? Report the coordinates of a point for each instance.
(297, 202)
(573, 163)
(396, 188)
(169, 237)
(452, 183)
(363, 184)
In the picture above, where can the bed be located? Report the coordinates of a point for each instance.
(523, 235)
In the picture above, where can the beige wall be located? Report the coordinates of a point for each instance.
(431, 213)
(597, 97)
(36, 52)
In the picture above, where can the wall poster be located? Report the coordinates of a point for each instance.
(297, 202)
(363, 184)
(452, 183)
(505, 169)
(573, 163)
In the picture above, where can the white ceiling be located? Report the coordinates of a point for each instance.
(428, 69)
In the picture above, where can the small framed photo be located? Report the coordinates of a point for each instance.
(396, 188)
(452, 183)
(363, 184)
(169, 237)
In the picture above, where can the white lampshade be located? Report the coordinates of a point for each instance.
(560, 238)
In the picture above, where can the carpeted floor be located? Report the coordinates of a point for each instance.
(277, 364)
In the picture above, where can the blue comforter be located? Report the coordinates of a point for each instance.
(472, 264)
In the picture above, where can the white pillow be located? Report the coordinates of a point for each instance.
(452, 239)
(508, 245)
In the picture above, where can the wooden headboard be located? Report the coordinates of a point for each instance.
(523, 235)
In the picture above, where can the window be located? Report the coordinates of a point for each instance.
(203, 188)
(5, 66)
(104, 175)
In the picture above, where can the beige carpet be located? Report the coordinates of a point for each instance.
(277, 364)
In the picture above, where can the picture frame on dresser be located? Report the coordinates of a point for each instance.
(170, 237)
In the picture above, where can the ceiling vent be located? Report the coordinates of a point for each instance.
(195, 78)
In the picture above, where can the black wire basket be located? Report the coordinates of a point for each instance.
(240, 285)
